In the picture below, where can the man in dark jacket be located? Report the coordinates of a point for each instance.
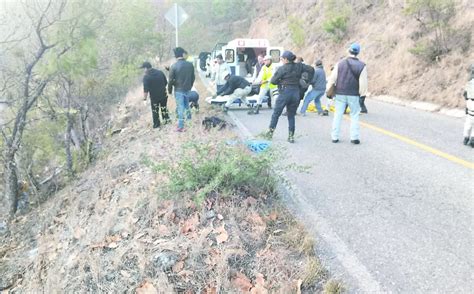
(318, 84)
(287, 77)
(182, 78)
(154, 85)
(237, 88)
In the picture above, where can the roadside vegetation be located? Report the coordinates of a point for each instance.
(337, 16)
(297, 31)
(435, 36)
(165, 212)
(61, 74)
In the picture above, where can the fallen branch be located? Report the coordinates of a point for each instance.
(56, 172)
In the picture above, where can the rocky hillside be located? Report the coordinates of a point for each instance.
(395, 45)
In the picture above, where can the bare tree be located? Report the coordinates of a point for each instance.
(32, 87)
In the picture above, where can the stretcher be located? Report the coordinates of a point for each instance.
(219, 100)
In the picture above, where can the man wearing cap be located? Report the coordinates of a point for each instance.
(350, 78)
(181, 77)
(154, 85)
(266, 87)
(287, 77)
(237, 87)
(318, 84)
(220, 69)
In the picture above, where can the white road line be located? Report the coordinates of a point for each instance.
(365, 280)
(244, 132)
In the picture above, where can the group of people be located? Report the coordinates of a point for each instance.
(288, 85)
(181, 77)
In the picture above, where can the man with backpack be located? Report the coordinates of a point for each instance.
(288, 77)
(349, 77)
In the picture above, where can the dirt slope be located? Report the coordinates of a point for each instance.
(385, 34)
(112, 231)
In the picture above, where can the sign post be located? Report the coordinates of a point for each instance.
(176, 16)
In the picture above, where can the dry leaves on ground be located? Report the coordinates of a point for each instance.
(178, 266)
(222, 234)
(146, 288)
(259, 285)
(78, 233)
(110, 242)
(258, 225)
(190, 224)
(241, 282)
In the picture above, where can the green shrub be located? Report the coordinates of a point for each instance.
(205, 167)
(434, 18)
(337, 13)
(296, 30)
(425, 51)
(336, 27)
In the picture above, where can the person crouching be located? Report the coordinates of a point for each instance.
(236, 87)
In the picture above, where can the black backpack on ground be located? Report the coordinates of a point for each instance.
(213, 122)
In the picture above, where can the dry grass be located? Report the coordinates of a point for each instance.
(384, 33)
(110, 230)
(297, 237)
(313, 272)
(333, 287)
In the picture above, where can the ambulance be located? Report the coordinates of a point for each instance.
(241, 56)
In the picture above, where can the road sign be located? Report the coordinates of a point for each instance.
(176, 15)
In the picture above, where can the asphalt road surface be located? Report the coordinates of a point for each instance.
(393, 214)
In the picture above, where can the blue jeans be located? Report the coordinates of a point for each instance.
(310, 96)
(182, 107)
(340, 103)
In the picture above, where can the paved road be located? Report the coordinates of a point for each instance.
(390, 214)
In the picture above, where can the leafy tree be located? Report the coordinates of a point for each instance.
(434, 17)
(297, 32)
(337, 15)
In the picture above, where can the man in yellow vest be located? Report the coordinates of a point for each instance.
(266, 87)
